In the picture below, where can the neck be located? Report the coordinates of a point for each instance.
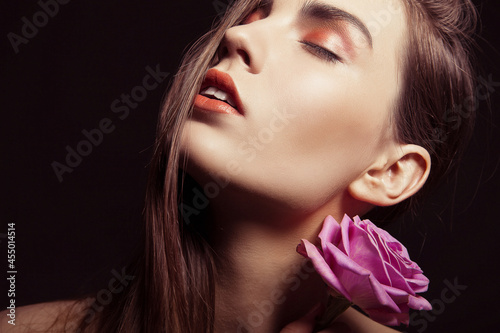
(262, 282)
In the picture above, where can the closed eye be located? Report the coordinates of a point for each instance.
(321, 52)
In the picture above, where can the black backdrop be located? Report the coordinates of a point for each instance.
(71, 234)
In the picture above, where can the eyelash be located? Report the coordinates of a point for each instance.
(321, 52)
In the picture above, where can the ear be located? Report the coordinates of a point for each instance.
(393, 177)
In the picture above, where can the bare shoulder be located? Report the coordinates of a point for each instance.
(60, 316)
(359, 323)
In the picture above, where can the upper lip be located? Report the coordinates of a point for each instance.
(224, 82)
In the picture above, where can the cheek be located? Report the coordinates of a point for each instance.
(329, 138)
(334, 117)
(307, 135)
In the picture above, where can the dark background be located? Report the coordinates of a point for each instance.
(71, 234)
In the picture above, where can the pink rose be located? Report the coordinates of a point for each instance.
(370, 268)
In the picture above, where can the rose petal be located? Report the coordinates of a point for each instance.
(382, 296)
(419, 283)
(330, 233)
(398, 280)
(345, 226)
(361, 286)
(323, 268)
(348, 272)
(419, 303)
(400, 297)
(369, 267)
(366, 253)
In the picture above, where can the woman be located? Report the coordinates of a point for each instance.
(288, 111)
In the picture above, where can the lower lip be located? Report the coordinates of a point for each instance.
(213, 105)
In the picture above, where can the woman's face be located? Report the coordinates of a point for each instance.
(317, 82)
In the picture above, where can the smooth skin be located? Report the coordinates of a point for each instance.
(325, 92)
(41, 317)
(316, 138)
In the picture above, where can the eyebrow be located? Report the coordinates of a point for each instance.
(324, 12)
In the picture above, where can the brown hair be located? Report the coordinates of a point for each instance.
(173, 288)
(437, 104)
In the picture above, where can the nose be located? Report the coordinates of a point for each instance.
(246, 45)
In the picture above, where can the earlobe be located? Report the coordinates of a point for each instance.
(393, 179)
